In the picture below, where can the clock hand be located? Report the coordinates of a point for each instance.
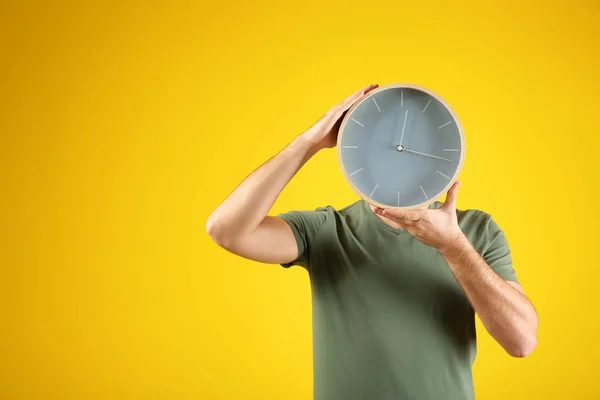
(396, 125)
(403, 126)
(424, 154)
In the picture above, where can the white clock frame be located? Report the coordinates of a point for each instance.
(366, 97)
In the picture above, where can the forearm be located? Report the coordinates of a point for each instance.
(251, 200)
(505, 312)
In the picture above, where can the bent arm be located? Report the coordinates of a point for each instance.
(502, 306)
(240, 224)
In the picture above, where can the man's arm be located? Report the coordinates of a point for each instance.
(241, 225)
(502, 306)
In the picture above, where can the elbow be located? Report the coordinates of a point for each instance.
(523, 348)
(215, 231)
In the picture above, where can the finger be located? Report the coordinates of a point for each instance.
(361, 91)
(353, 98)
(399, 219)
(348, 101)
(370, 87)
(450, 202)
(401, 216)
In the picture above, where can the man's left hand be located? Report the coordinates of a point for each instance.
(435, 227)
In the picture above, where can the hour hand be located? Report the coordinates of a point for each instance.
(402, 148)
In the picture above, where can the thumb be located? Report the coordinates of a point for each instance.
(450, 202)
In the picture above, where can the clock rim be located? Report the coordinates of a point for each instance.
(455, 118)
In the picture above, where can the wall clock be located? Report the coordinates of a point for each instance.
(400, 146)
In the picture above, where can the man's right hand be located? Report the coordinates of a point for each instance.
(241, 225)
(323, 134)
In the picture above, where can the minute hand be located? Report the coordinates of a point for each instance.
(424, 154)
(403, 127)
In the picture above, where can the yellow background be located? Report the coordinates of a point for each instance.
(124, 124)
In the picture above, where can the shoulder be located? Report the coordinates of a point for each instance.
(318, 217)
(326, 212)
(472, 218)
(350, 210)
(479, 226)
(346, 216)
(309, 220)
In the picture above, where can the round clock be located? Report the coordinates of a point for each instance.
(400, 146)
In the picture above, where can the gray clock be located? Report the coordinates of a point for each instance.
(400, 146)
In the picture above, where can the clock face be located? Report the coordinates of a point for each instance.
(400, 146)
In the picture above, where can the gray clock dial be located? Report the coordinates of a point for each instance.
(401, 146)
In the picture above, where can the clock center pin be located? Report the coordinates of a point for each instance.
(400, 147)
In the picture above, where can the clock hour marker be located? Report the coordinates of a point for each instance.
(447, 123)
(355, 172)
(350, 147)
(450, 149)
(424, 192)
(398, 198)
(401, 98)
(357, 122)
(447, 177)
(379, 109)
(427, 105)
(371, 195)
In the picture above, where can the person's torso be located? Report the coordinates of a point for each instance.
(389, 319)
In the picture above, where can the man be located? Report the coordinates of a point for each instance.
(394, 292)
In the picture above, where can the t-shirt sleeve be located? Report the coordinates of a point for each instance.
(497, 254)
(305, 225)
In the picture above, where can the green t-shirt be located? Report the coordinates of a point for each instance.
(389, 319)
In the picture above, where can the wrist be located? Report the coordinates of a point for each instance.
(308, 144)
(456, 245)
